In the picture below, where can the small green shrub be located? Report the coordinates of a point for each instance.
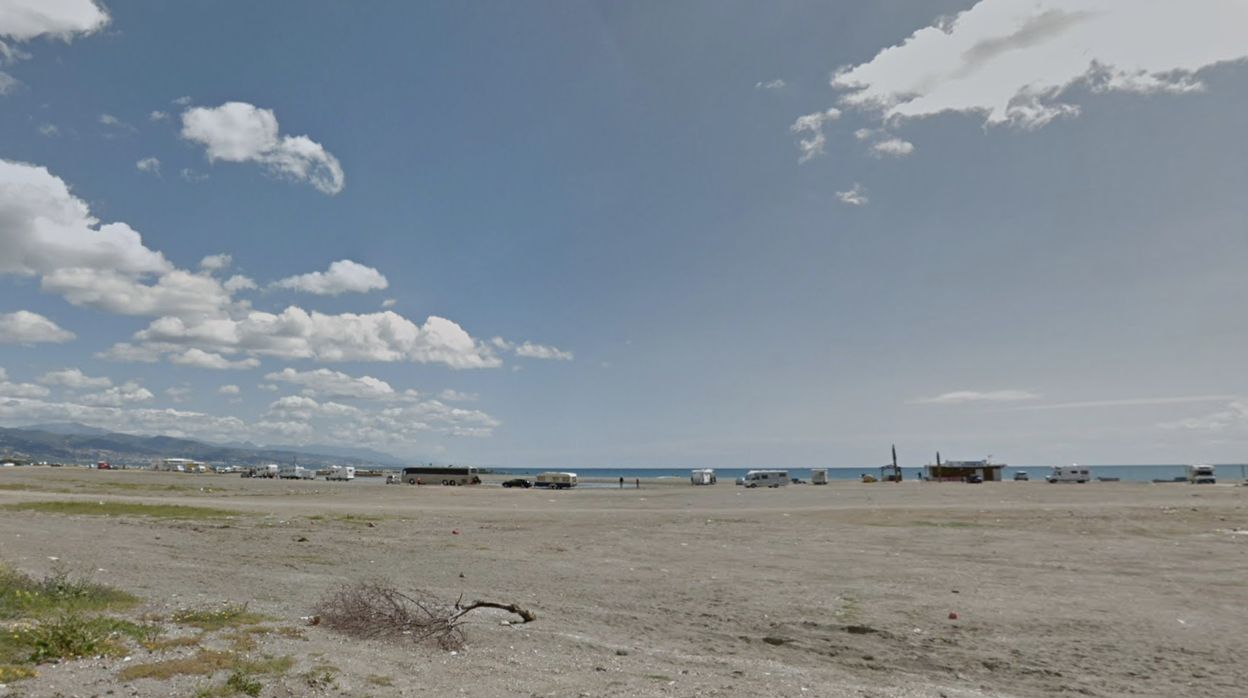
(243, 682)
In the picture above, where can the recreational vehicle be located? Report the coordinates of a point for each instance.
(555, 481)
(295, 472)
(703, 477)
(819, 476)
(177, 465)
(266, 470)
(341, 472)
(1069, 473)
(1201, 475)
(441, 474)
(766, 478)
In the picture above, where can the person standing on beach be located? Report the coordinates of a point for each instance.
(638, 483)
(621, 482)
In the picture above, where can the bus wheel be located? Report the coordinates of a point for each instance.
(444, 483)
(411, 481)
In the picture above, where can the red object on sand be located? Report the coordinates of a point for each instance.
(456, 531)
(953, 615)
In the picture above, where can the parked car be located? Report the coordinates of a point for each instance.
(518, 482)
(975, 479)
(1021, 477)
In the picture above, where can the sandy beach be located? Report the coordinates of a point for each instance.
(1109, 589)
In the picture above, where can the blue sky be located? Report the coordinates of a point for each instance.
(632, 234)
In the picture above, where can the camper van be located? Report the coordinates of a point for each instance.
(341, 472)
(818, 476)
(266, 470)
(1201, 475)
(703, 477)
(766, 478)
(554, 480)
(295, 472)
(1069, 473)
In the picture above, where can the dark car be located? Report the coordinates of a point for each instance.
(975, 479)
(517, 482)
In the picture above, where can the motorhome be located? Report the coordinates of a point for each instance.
(341, 472)
(555, 480)
(702, 477)
(819, 476)
(766, 478)
(266, 470)
(177, 465)
(295, 472)
(1201, 475)
(1069, 473)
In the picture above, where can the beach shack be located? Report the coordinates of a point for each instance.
(964, 471)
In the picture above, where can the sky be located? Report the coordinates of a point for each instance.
(645, 234)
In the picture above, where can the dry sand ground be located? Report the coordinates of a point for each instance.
(1108, 589)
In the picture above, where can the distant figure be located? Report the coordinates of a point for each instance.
(418, 482)
(621, 482)
(638, 483)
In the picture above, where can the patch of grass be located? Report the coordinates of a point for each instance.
(139, 486)
(244, 682)
(203, 663)
(379, 680)
(227, 616)
(22, 596)
(659, 677)
(13, 672)
(67, 637)
(169, 643)
(716, 522)
(157, 511)
(850, 610)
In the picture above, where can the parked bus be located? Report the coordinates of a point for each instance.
(446, 475)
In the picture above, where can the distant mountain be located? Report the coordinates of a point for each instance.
(41, 445)
(73, 428)
(366, 454)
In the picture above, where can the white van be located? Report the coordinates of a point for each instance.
(818, 476)
(341, 472)
(555, 480)
(1069, 473)
(766, 478)
(1201, 475)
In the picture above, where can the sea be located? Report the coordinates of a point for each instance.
(1124, 473)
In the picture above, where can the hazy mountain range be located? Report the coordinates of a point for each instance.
(69, 442)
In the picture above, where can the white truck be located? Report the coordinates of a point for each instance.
(818, 476)
(766, 478)
(1069, 473)
(295, 472)
(702, 477)
(341, 472)
(1201, 475)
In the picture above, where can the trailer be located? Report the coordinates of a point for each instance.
(555, 480)
(818, 476)
(766, 478)
(704, 476)
(344, 473)
(1201, 475)
(1069, 473)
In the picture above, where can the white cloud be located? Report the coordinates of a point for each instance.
(149, 165)
(20, 390)
(854, 197)
(863, 134)
(1013, 60)
(1233, 417)
(44, 129)
(776, 84)
(968, 397)
(23, 20)
(216, 262)
(388, 303)
(73, 378)
(241, 132)
(343, 276)
(191, 175)
(110, 120)
(158, 115)
(125, 352)
(1129, 402)
(450, 395)
(178, 393)
(269, 386)
(894, 147)
(25, 327)
(229, 390)
(539, 351)
(305, 408)
(178, 293)
(325, 382)
(198, 358)
(124, 394)
(238, 282)
(812, 146)
(181, 101)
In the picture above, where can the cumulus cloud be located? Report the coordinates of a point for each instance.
(531, 350)
(229, 390)
(389, 303)
(158, 115)
(124, 394)
(178, 393)
(324, 382)
(305, 408)
(450, 395)
(854, 197)
(968, 397)
(1012, 61)
(894, 147)
(812, 145)
(1233, 418)
(181, 101)
(198, 358)
(343, 276)
(238, 282)
(776, 84)
(241, 132)
(192, 176)
(110, 120)
(25, 327)
(149, 165)
(44, 129)
(20, 390)
(216, 262)
(24, 20)
(74, 378)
